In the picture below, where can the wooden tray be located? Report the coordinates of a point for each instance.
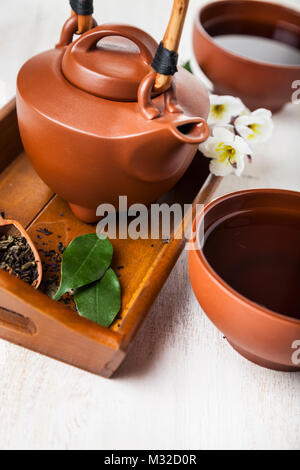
(31, 318)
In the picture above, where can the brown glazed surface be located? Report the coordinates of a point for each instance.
(258, 84)
(90, 149)
(243, 264)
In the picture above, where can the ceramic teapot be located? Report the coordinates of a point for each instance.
(94, 126)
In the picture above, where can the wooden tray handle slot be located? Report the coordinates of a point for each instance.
(17, 322)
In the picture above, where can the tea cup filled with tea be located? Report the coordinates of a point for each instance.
(245, 271)
(249, 49)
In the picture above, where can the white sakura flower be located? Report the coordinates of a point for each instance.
(256, 127)
(223, 109)
(227, 151)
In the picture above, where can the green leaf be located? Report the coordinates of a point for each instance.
(187, 66)
(84, 261)
(100, 302)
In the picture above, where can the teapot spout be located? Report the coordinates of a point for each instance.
(192, 131)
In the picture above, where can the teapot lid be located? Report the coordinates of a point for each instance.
(110, 61)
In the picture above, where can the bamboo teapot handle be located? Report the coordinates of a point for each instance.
(171, 40)
(84, 10)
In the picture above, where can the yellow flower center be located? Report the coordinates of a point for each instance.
(226, 153)
(256, 128)
(217, 110)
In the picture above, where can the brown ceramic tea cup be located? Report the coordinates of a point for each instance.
(245, 272)
(249, 49)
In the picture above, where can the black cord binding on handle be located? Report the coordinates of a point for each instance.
(82, 7)
(165, 61)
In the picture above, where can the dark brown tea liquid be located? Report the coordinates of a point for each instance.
(258, 255)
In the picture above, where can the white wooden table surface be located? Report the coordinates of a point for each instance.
(182, 386)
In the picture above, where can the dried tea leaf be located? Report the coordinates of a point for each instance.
(100, 302)
(84, 261)
(17, 258)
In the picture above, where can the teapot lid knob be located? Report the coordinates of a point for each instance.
(110, 61)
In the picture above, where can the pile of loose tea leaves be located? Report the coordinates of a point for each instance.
(86, 272)
(16, 257)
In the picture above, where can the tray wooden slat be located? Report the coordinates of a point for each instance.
(33, 319)
(22, 192)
